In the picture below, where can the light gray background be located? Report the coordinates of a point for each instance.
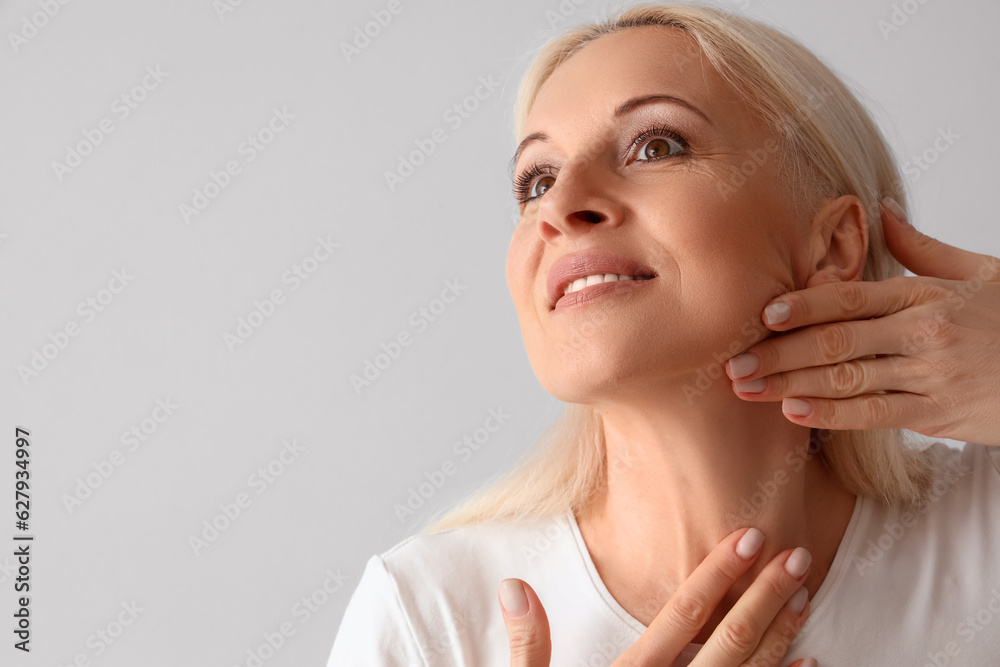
(332, 507)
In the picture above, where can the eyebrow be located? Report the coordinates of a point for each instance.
(622, 109)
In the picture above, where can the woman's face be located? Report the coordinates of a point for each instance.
(719, 242)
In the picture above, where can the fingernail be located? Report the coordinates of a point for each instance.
(798, 562)
(512, 597)
(743, 364)
(777, 312)
(896, 209)
(796, 406)
(750, 543)
(810, 662)
(797, 602)
(751, 387)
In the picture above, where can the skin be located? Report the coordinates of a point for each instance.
(684, 453)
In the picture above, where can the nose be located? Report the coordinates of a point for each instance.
(578, 200)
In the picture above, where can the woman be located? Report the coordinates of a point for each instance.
(678, 169)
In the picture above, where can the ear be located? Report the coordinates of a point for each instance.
(839, 242)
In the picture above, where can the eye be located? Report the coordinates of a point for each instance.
(658, 145)
(655, 144)
(526, 188)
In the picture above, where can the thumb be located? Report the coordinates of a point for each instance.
(926, 256)
(527, 624)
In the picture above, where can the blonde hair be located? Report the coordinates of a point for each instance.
(830, 146)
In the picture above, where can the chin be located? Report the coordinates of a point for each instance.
(589, 375)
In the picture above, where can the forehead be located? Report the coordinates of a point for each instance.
(584, 90)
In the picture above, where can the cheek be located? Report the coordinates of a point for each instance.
(522, 269)
(717, 230)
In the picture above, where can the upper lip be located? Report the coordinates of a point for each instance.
(589, 262)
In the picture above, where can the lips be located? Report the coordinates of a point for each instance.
(586, 263)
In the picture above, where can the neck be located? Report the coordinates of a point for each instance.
(684, 474)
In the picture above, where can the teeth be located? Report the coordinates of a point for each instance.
(598, 278)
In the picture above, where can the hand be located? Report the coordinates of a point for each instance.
(758, 629)
(916, 352)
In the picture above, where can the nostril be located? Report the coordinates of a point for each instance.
(591, 216)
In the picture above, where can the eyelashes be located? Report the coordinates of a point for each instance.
(522, 186)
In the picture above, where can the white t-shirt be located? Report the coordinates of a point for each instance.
(919, 588)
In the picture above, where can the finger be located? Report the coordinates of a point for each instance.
(926, 256)
(527, 624)
(822, 345)
(780, 635)
(853, 300)
(870, 411)
(690, 607)
(738, 635)
(843, 380)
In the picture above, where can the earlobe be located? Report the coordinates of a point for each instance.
(838, 242)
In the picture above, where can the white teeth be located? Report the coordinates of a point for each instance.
(595, 279)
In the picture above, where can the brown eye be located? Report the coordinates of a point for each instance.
(655, 148)
(542, 188)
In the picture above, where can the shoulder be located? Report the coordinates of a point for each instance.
(430, 591)
(965, 472)
(956, 523)
(477, 552)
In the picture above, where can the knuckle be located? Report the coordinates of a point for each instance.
(930, 291)
(523, 638)
(777, 584)
(847, 378)
(940, 331)
(835, 343)
(737, 638)
(876, 410)
(850, 298)
(688, 612)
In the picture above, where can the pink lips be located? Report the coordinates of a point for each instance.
(586, 263)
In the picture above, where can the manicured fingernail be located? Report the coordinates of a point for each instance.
(512, 597)
(797, 602)
(750, 543)
(896, 209)
(798, 562)
(810, 662)
(743, 364)
(796, 406)
(777, 312)
(751, 387)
